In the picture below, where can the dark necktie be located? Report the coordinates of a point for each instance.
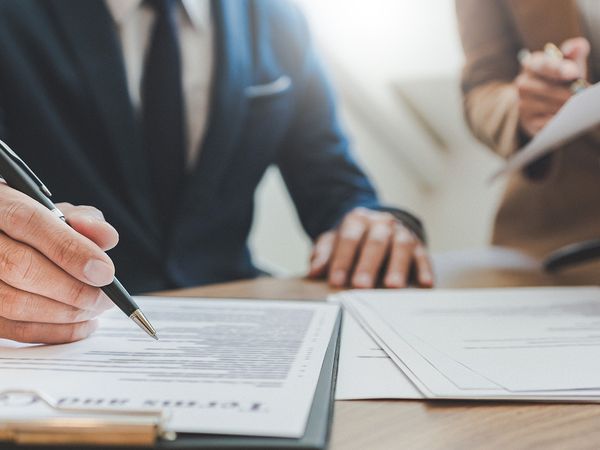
(162, 108)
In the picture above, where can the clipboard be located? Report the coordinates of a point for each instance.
(126, 430)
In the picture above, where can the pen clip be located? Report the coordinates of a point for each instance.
(18, 161)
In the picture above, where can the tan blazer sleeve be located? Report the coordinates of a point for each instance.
(490, 98)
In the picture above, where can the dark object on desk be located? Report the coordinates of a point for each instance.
(573, 254)
(19, 176)
(316, 435)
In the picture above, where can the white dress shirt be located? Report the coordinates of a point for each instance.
(134, 21)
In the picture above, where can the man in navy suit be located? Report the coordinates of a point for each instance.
(164, 115)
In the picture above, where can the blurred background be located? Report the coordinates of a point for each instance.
(395, 65)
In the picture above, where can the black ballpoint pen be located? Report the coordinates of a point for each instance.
(20, 177)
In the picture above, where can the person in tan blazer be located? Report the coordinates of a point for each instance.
(555, 201)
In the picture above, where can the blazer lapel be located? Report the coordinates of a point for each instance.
(89, 30)
(541, 21)
(231, 75)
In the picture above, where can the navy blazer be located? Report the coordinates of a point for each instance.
(65, 108)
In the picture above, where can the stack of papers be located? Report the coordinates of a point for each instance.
(365, 371)
(513, 344)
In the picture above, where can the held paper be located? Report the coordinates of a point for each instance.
(578, 115)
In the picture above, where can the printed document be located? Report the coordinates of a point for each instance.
(526, 343)
(365, 371)
(240, 367)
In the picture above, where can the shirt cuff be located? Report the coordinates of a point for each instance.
(407, 219)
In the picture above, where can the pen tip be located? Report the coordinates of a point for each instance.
(141, 320)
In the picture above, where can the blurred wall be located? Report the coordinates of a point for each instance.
(395, 65)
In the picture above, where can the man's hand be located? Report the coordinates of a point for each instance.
(48, 270)
(369, 244)
(543, 84)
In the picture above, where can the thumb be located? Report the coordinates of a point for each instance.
(577, 50)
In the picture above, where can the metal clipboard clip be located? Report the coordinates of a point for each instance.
(82, 426)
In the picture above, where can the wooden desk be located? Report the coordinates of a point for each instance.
(402, 424)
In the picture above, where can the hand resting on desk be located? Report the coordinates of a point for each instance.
(366, 245)
(49, 271)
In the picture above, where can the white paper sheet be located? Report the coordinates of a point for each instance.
(579, 114)
(221, 366)
(504, 343)
(365, 371)
(427, 375)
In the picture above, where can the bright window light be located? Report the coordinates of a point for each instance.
(399, 38)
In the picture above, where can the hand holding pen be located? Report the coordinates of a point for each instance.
(548, 79)
(55, 278)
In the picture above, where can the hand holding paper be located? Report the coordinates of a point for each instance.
(578, 115)
(548, 79)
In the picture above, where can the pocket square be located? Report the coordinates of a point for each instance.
(278, 86)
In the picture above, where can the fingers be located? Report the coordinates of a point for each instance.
(24, 268)
(555, 95)
(29, 222)
(89, 221)
(577, 49)
(350, 236)
(539, 101)
(45, 333)
(423, 266)
(535, 107)
(532, 125)
(321, 255)
(541, 65)
(373, 252)
(543, 85)
(69, 209)
(401, 256)
(364, 242)
(48, 269)
(20, 305)
(535, 114)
